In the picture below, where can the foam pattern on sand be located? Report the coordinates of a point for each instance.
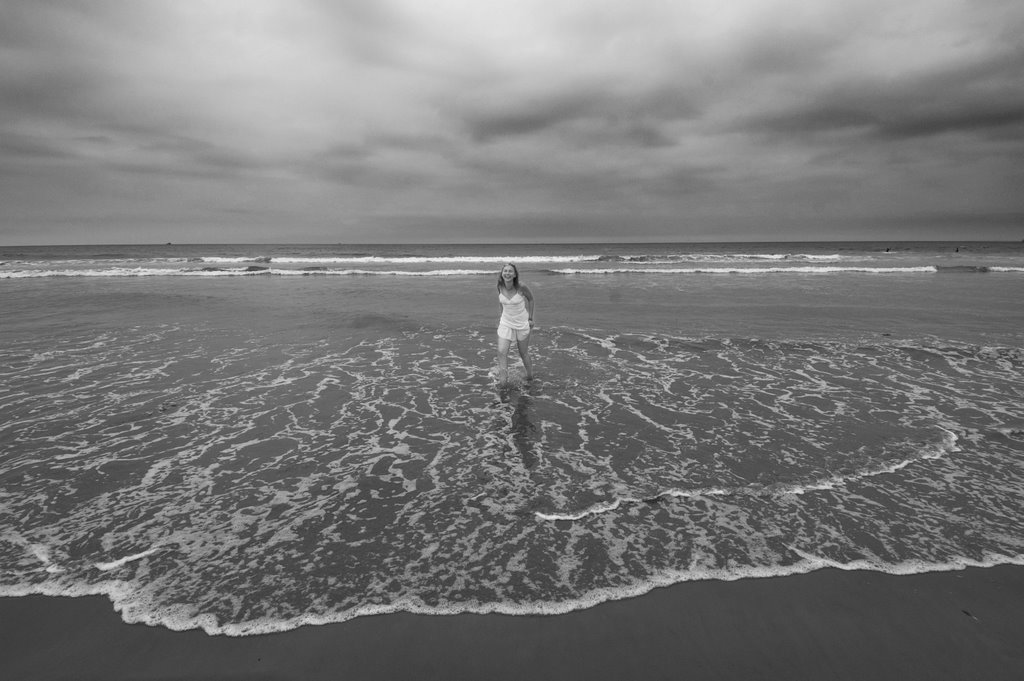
(210, 479)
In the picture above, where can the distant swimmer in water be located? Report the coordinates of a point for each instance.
(516, 320)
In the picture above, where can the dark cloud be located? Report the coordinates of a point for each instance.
(685, 182)
(974, 119)
(316, 112)
(893, 122)
(648, 136)
(24, 147)
(512, 118)
(972, 97)
(586, 116)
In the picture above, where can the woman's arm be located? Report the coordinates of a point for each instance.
(529, 299)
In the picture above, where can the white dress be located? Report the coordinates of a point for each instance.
(515, 318)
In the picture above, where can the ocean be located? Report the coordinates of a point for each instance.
(252, 438)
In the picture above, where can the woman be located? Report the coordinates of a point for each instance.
(516, 320)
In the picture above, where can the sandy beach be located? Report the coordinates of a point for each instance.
(828, 624)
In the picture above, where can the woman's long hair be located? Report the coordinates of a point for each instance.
(515, 279)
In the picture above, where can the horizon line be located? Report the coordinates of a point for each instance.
(563, 242)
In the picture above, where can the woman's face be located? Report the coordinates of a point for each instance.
(508, 273)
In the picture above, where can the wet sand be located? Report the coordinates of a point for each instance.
(829, 624)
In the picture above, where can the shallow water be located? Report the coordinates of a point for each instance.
(252, 453)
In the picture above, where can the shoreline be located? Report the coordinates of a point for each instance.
(827, 624)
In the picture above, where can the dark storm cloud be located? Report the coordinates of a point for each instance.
(894, 122)
(315, 112)
(959, 97)
(973, 119)
(25, 148)
(589, 116)
(517, 118)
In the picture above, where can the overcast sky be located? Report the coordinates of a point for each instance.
(468, 120)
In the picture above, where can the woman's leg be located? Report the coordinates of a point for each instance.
(503, 346)
(524, 353)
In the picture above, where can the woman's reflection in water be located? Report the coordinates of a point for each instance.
(523, 430)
